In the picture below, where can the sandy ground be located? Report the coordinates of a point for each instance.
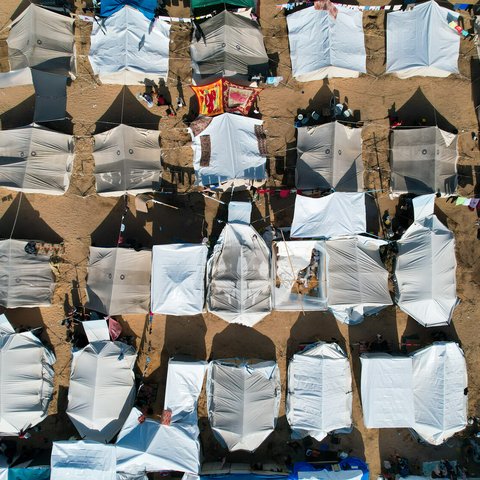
(80, 218)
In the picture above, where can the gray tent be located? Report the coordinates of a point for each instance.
(228, 44)
(330, 156)
(127, 160)
(423, 160)
(34, 159)
(50, 96)
(42, 40)
(243, 400)
(26, 280)
(118, 280)
(239, 284)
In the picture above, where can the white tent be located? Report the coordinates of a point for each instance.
(26, 382)
(319, 398)
(102, 389)
(228, 148)
(26, 280)
(152, 447)
(329, 216)
(322, 46)
(34, 159)
(386, 389)
(423, 160)
(329, 156)
(420, 42)
(243, 400)
(178, 278)
(127, 48)
(118, 280)
(345, 275)
(425, 391)
(439, 387)
(127, 160)
(425, 272)
(239, 284)
(82, 460)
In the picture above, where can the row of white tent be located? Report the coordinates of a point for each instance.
(127, 48)
(424, 391)
(331, 266)
(229, 150)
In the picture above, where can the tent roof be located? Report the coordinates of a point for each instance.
(82, 460)
(329, 156)
(322, 46)
(386, 388)
(229, 148)
(126, 48)
(118, 280)
(425, 272)
(329, 216)
(243, 402)
(153, 447)
(208, 3)
(34, 159)
(319, 396)
(440, 371)
(26, 382)
(420, 42)
(102, 389)
(423, 160)
(147, 7)
(26, 280)
(239, 284)
(43, 40)
(229, 44)
(178, 278)
(127, 160)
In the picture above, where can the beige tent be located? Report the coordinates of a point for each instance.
(34, 159)
(26, 280)
(127, 160)
(118, 280)
(330, 156)
(43, 40)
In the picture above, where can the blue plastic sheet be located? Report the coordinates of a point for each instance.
(147, 7)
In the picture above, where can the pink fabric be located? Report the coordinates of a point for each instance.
(114, 328)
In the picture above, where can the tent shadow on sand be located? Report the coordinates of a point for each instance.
(135, 235)
(20, 115)
(417, 107)
(129, 110)
(29, 224)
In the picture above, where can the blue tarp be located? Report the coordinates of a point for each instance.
(30, 473)
(244, 476)
(147, 7)
(349, 463)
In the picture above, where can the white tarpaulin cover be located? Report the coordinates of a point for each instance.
(127, 48)
(322, 46)
(331, 475)
(319, 396)
(5, 326)
(329, 216)
(420, 42)
(425, 391)
(423, 160)
(43, 40)
(83, 460)
(439, 387)
(243, 400)
(423, 206)
(34, 159)
(345, 275)
(230, 148)
(127, 160)
(239, 212)
(239, 283)
(118, 280)
(153, 447)
(178, 278)
(102, 389)
(425, 272)
(387, 393)
(26, 382)
(329, 156)
(96, 330)
(26, 280)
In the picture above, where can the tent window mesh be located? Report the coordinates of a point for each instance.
(261, 139)
(206, 150)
